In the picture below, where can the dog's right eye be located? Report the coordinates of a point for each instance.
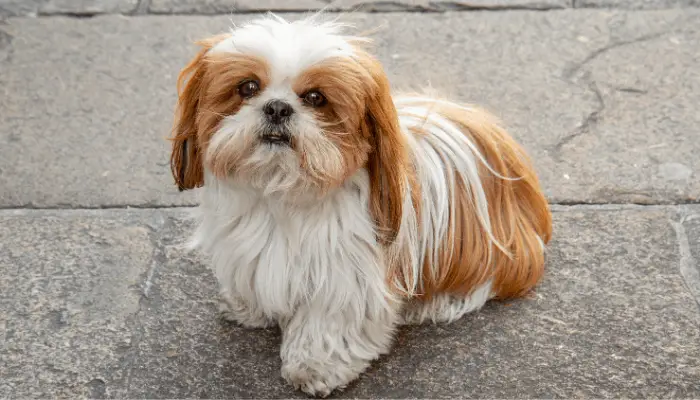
(248, 89)
(314, 98)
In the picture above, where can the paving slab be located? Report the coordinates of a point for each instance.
(105, 304)
(33, 8)
(600, 99)
(233, 6)
(70, 290)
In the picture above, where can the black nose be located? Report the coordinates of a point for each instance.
(278, 111)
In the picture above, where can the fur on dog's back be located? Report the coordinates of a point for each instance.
(481, 215)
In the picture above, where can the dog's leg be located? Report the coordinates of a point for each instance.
(323, 351)
(236, 309)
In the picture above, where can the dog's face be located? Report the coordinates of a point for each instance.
(289, 108)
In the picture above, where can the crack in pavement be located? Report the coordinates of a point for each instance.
(6, 39)
(591, 120)
(154, 226)
(570, 72)
(688, 268)
(627, 89)
(467, 6)
(142, 7)
(158, 256)
(107, 206)
(588, 123)
(147, 207)
(378, 6)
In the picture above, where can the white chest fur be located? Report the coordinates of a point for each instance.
(277, 255)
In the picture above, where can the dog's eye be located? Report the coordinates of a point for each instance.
(248, 89)
(314, 99)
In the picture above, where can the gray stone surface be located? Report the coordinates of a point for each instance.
(104, 303)
(88, 7)
(688, 232)
(602, 100)
(446, 5)
(18, 7)
(70, 285)
(637, 4)
(92, 7)
(32, 8)
(232, 6)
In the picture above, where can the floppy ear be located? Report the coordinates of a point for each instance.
(389, 166)
(186, 157)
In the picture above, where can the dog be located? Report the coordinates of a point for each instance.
(338, 211)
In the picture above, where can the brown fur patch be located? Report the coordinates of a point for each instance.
(340, 80)
(363, 123)
(389, 166)
(208, 91)
(518, 212)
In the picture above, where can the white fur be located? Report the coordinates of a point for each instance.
(289, 47)
(445, 308)
(313, 264)
(316, 270)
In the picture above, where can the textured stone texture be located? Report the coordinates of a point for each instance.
(688, 232)
(70, 285)
(104, 303)
(637, 4)
(600, 99)
(74, 7)
(88, 6)
(232, 6)
(18, 7)
(446, 5)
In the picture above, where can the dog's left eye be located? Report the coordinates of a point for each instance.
(248, 89)
(314, 98)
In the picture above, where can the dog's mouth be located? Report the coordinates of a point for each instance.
(276, 137)
(277, 140)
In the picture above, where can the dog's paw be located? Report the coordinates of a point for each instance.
(234, 310)
(318, 382)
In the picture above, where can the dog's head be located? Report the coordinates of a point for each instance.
(289, 107)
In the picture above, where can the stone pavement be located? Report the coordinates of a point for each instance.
(140, 7)
(97, 299)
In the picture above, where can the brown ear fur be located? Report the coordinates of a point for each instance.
(389, 163)
(186, 157)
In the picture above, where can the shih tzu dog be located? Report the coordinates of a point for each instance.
(338, 211)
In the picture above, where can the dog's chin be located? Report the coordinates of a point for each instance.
(271, 166)
(296, 164)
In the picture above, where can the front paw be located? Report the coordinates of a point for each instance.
(322, 379)
(236, 310)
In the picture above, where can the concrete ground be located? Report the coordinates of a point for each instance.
(97, 299)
